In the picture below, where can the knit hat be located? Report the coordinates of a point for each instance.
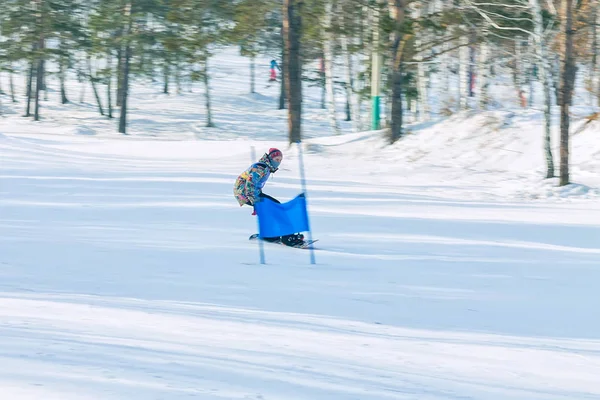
(273, 152)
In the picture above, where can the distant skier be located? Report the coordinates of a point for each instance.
(274, 66)
(248, 189)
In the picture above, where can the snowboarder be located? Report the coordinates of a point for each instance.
(273, 76)
(248, 189)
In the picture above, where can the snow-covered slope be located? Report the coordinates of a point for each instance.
(445, 269)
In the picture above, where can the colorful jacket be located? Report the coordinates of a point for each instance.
(248, 186)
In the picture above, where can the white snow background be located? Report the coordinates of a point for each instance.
(446, 267)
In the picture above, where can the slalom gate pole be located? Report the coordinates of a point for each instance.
(261, 245)
(305, 191)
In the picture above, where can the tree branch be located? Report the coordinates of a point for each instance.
(493, 24)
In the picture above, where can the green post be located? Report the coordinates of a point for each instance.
(375, 74)
(375, 101)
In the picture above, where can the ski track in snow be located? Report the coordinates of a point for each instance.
(130, 284)
(126, 273)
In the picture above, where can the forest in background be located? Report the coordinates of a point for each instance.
(422, 59)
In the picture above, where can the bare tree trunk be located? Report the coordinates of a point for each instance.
(109, 83)
(323, 81)
(121, 58)
(421, 78)
(556, 76)
(93, 82)
(253, 74)
(350, 97)
(519, 73)
(366, 33)
(82, 79)
(471, 69)
(120, 54)
(125, 91)
(40, 67)
(544, 70)
(463, 76)
(445, 62)
(63, 90)
(596, 72)
(44, 86)
(166, 73)
(530, 75)
(445, 68)
(397, 10)
(209, 120)
(282, 93)
(12, 86)
(178, 75)
(292, 31)
(38, 84)
(328, 58)
(482, 68)
(62, 76)
(125, 75)
(568, 80)
(30, 88)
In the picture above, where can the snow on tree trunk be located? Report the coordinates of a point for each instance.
(544, 71)
(328, 44)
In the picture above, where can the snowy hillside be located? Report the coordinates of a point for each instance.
(446, 269)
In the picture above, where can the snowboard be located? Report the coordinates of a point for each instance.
(306, 245)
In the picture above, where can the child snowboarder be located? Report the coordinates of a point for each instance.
(273, 75)
(248, 189)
